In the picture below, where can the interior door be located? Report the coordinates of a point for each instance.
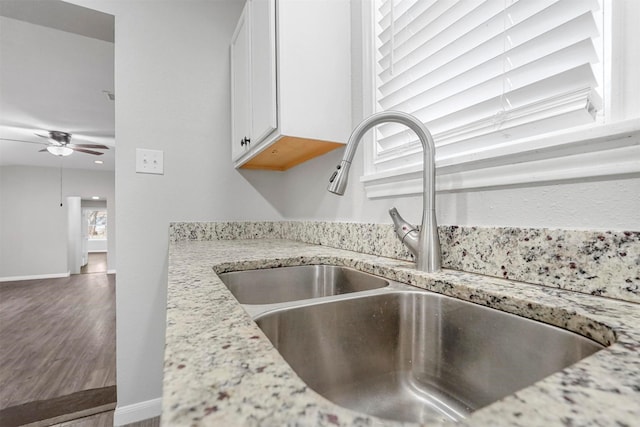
(74, 234)
(84, 244)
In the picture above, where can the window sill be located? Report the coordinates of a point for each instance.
(596, 152)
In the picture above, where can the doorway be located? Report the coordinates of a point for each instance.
(94, 236)
(87, 239)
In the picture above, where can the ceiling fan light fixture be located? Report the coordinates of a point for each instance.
(59, 150)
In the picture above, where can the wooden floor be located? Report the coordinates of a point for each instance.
(57, 347)
(105, 419)
(97, 263)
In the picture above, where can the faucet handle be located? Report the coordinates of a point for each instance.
(400, 225)
(406, 232)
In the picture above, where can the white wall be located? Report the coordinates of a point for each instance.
(33, 226)
(172, 94)
(97, 245)
(608, 204)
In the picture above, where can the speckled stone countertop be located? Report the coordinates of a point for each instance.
(220, 370)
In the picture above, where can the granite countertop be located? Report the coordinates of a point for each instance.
(221, 370)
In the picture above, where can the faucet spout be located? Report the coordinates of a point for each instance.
(424, 244)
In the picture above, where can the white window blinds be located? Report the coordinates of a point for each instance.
(484, 72)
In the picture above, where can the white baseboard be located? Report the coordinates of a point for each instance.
(111, 272)
(34, 277)
(137, 412)
(98, 251)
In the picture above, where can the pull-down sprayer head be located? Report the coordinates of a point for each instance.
(339, 179)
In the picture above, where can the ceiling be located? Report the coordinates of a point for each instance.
(56, 70)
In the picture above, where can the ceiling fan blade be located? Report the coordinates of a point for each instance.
(82, 150)
(100, 146)
(88, 138)
(22, 140)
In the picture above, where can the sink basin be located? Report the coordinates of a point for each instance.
(415, 356)
(274, 285)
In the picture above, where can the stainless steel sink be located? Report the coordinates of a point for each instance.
(414, 355)
(275, 285)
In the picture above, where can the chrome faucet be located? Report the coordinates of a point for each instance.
(423, 243)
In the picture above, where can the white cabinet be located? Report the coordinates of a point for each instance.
(291, 82)
(253, 76)
(263, 68)
(240, 74)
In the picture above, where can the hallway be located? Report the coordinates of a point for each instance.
(97, 263)
(57, 346)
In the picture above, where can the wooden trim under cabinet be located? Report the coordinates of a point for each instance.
(288, 152)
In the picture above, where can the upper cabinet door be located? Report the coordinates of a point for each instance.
(292, 96)
(263, 69)
(240, 86)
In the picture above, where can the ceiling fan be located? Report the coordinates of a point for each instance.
(59, 144)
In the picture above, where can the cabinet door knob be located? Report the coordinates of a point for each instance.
(245, 141)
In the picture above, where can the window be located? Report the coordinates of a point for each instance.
(502, 85)
(97, 220)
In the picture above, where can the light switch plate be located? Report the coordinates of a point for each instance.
(149, 161)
